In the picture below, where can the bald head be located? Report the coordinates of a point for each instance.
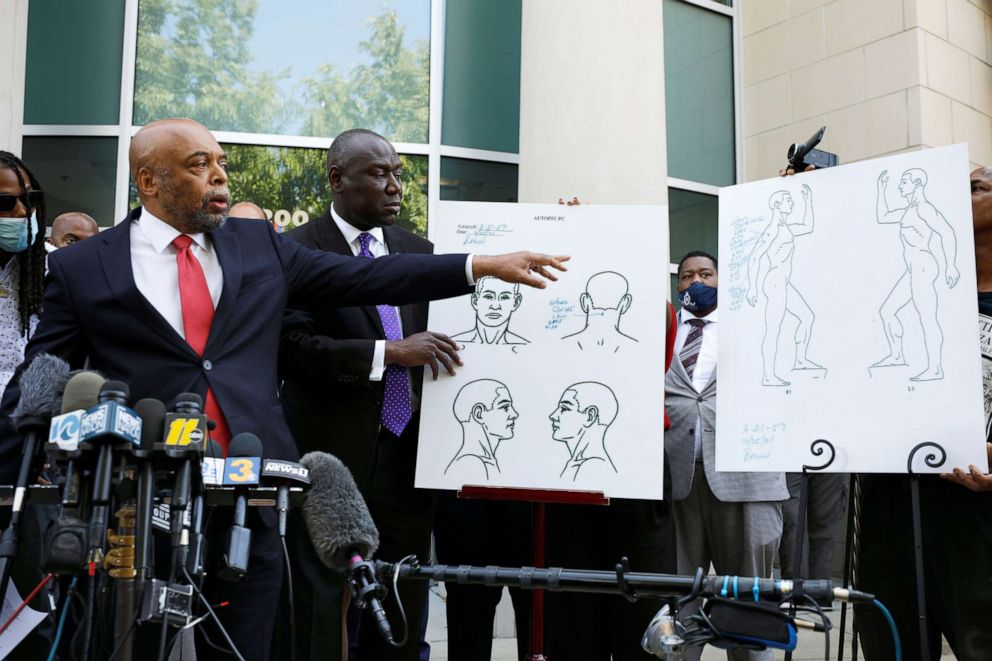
(71, 227)
(248, 210)
(180, 172)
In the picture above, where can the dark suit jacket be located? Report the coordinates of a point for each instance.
(92, 309)
(325, 357)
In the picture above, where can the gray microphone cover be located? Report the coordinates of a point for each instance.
(42, 383)
(245, 444)
(152, 414)
(82, 391)
(335, 513)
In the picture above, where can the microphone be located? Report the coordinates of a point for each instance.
(152, 413)
(107, 425)
(342, 531)
(244, 454)
(212, 475)
(284, 474)
(41, 385)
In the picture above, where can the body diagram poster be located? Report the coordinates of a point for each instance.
(849, 301)
(562, 388)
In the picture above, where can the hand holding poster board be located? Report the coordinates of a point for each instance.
(561, 388)
(851, 293)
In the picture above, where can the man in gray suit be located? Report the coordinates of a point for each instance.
(732, 520)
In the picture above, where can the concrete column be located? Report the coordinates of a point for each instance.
(13, 56)
(592, 102)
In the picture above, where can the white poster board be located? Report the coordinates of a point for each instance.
(562, 388)
(849, 313)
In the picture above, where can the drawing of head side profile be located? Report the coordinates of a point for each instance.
(605, 300)
(769, 271)
(494, 302)
(929, 249)
(584, 413)
(484, 408)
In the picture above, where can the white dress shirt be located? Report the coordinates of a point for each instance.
(705, 364)
(377, 246)
(156, 273)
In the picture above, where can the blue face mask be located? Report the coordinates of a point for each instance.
(15, 235)
(698, 297)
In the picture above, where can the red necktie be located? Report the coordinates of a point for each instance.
(198, 314)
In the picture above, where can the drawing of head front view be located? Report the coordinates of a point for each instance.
(929, 250)
(494, 302)
(605, 300)
(584, 412)
(484, 408)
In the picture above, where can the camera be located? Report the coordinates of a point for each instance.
(803, 155)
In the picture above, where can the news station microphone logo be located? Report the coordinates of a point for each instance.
(64, 431)
(286, 469)
(110, 418)
(241, 471)
(183, 431)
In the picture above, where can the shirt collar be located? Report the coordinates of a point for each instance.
(351, 232)
(685, 315)
(161, 234)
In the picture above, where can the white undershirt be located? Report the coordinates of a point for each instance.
(705, 364)
(156, 274)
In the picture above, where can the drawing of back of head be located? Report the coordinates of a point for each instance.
(596, 402)
(606, 291)
(486, 402)
(917, 176)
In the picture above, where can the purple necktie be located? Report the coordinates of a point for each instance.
(396, 407)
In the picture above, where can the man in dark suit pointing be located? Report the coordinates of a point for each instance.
(174, 299)
(352, 388)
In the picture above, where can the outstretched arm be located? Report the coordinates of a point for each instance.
(947, 256)
(882, 212)
(754, 261)
(804, 226)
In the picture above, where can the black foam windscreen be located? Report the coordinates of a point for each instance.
(245, 444)
(152, 414)
(42, 383)
(82, 391)
(336, 514)
(214, 450)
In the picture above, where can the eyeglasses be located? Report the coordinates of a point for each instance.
(31, 200)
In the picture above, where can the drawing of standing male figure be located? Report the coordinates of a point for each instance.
(920, 226)
(770, 267)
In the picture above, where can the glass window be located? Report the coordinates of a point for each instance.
(692, 221)
(482, 75)
(478, 181)
(699, 93)
(299, 67)
(290, 184)
(77, 174)
(73, 72)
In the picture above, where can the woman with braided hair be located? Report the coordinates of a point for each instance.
(22, 260)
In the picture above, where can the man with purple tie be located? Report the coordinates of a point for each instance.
(352, 387)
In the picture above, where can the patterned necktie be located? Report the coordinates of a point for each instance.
(396, 407)
(198, 314)
(693, 343)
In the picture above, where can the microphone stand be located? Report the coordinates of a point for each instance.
(8, 543)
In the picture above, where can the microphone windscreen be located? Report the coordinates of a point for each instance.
(152, 414)
(335, 513)
(116, 389)
(41, 384)
(82, 391)
(245, 444)
(188, 399)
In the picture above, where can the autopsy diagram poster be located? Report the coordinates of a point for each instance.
(848, 313)
(562, 387)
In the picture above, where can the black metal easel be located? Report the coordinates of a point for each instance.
(816, 448)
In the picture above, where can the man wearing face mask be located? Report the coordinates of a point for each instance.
(22, 261)
(732, 520)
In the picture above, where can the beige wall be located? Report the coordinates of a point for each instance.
(592, 101)
(883, 75)
(13, 50)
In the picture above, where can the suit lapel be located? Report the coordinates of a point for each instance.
(115, 258)
(228, 248)
(332, 240)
